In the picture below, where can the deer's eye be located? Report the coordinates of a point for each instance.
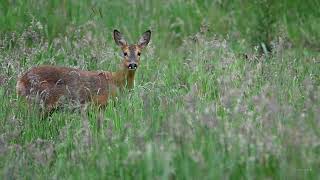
(139, 53)
(125, 54)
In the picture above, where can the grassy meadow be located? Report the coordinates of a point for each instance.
(225, 90)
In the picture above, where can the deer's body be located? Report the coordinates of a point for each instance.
(50, 84)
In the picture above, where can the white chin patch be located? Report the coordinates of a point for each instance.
(132, 68)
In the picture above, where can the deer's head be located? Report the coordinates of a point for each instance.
(131, 52)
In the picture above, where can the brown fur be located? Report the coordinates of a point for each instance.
(50, 84)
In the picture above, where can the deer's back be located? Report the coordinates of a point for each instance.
(50, 83)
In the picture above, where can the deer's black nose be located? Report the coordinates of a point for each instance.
(133, 66)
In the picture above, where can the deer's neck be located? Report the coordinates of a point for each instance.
(124, 78)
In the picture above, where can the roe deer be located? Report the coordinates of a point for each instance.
(48, 84)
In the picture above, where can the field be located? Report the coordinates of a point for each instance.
(225, 90)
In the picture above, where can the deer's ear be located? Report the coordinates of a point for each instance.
(118, 38)
(145, 38)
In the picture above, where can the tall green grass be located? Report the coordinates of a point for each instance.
(207, 103)
(257, 21)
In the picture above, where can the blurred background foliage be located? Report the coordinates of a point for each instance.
(258, 22)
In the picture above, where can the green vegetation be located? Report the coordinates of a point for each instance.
(225, 90)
